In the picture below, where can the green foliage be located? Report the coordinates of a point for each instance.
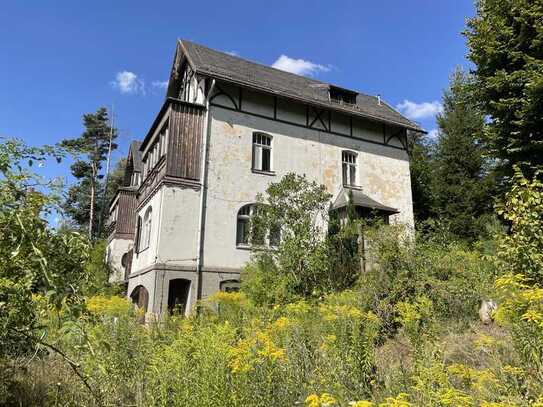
(520, 258)
(262, 282)
(461, 186)
(421, 177)
(521, 251)
(505, 41)
(91, 148)
(33, 258)
(451, 276)
(308, 261)
(452, 177)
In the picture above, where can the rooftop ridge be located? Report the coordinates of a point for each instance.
(260, 64)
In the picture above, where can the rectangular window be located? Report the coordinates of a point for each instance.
(275, 235)
(166, 133)
(261, 152)
(138, 235)
(349, 168)
(243, 231)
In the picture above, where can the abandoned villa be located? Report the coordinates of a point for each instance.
(178, 228)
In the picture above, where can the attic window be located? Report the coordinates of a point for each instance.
(342, 96)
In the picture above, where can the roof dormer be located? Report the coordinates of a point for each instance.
(342, 96)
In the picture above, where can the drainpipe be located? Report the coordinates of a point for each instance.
(203, 197)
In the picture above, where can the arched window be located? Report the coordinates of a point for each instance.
(244, 225)
(262, 147)
(247, 233)
(348, 159)
(140, 297)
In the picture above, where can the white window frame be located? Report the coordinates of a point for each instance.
(262, 142)
(245, 214)
(145, 235)
(349, 168)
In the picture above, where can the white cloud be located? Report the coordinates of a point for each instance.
(298, 66)
(160, 84)
(233, 53)
(128, 82)
(422, 110)
(433, 134)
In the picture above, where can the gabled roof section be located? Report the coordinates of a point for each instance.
(227, 67)
(135, 152)
(356, 197)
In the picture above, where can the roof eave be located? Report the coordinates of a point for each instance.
(310, 102)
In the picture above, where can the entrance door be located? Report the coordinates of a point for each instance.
(178, 296)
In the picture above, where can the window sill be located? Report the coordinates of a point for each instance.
(141, 251)
(256, 248)
(357, 187)
(255, 171)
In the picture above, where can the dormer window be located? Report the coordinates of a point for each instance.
(342, 96)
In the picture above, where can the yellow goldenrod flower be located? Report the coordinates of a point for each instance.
(312, 401)
(361, 403)
(399, 401)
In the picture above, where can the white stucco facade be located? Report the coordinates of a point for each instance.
(116, 249)
(383, 174)
(188, 201)
(382, 171)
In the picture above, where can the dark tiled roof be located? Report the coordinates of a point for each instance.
(136, 155)
(230, 68)
(359, 199)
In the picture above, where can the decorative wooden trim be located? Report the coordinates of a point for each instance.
(306, 127)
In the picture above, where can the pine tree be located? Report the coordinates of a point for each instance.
(92, 148)
(421, 176)
(461, 184)
(505, 41)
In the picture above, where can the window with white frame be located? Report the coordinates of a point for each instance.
(244, 225)
(145, 235)
(348, 159)
(135, 179)
(247, 233)
(262, 152)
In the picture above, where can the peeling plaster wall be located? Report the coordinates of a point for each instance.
(116, 248)
(179, 226)
(383, 173)
(173, 248)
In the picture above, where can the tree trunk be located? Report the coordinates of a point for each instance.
(92, 200)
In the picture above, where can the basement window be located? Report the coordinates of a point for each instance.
(262, 152)
(230, 286)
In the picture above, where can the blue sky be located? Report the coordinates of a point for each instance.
(60, 59)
